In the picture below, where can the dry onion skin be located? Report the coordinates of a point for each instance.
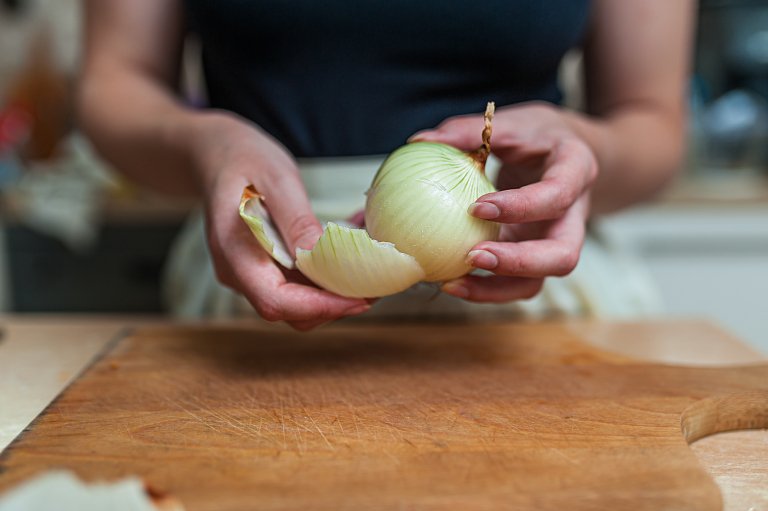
(255, 215)
(417, 220)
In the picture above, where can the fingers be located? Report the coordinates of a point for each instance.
(540, 258)
(358, 219)
(464, 132)
(289, 207)
(493, 288)
(278, 299)
(515, 132)
(241, 264)
(526, 137)
(571, 169)
(520, 268)
(556, 255)
(275, 298)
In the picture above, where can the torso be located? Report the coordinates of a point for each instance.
(336, 78)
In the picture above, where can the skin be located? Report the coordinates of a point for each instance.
(558, 166)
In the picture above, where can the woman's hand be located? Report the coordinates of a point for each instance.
(543, 202)
(230, 154)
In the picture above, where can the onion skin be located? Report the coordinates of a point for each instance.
(419, 201)
(349, 263)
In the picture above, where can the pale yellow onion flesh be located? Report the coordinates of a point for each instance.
(419, 201)
(255, 215)
(349, 263)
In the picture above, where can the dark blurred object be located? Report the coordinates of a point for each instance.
(14, 6)
(121, 274)
(732, 46)
(730, 87)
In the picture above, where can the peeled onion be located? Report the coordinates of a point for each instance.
(418, 225)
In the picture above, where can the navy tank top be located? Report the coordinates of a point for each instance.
(345, 78)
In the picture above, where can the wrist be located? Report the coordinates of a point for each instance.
(597, 133)
(219, 141)
(205, 134)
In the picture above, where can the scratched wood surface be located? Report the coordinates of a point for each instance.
(397, 417)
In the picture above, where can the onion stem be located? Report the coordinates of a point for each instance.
(481, 154)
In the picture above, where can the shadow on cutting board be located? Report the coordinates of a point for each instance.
(352, 349)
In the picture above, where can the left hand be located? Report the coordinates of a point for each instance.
(543, 203)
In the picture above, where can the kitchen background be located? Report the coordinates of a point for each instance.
(76, 238)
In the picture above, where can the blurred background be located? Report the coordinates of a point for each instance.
(76, 238)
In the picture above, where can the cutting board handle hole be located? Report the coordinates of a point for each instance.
(748, 410)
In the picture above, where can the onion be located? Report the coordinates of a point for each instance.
(417, 220)
(349, 263)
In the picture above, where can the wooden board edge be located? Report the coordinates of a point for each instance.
(121, 334)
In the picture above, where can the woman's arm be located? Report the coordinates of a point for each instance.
(560, 166)
(127, 104)
(636, 60)
(128, 107)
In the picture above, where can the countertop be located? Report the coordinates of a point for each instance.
(41, 355)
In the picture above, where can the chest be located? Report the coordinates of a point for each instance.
(520, 35)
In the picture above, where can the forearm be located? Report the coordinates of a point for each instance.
(140, 128)
(639, 149)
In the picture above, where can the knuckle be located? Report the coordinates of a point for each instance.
(567, 263)
(594, 168)
(564, 199)
(532, 289)
(584, 155)
(513, 264)
(589, 161)
(524, 207)
(222, 270)
(223, 276)
(445, 124)
(324, 312)
(448, 126)
(541, 108)
(269, 311)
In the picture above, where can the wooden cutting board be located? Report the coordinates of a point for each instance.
(399, 417)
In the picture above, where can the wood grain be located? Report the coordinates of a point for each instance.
(404, 417)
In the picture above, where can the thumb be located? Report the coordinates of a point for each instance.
(301, 231)
(289, 207)
(464, 133)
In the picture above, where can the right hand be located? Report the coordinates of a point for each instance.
(228, 155)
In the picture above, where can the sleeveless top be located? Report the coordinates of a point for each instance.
(346, 78)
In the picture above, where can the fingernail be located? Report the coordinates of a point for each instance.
(482, 259)
(455, 289)
(358, 309)
(484, 210)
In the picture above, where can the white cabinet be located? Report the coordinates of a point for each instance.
(709, 259)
